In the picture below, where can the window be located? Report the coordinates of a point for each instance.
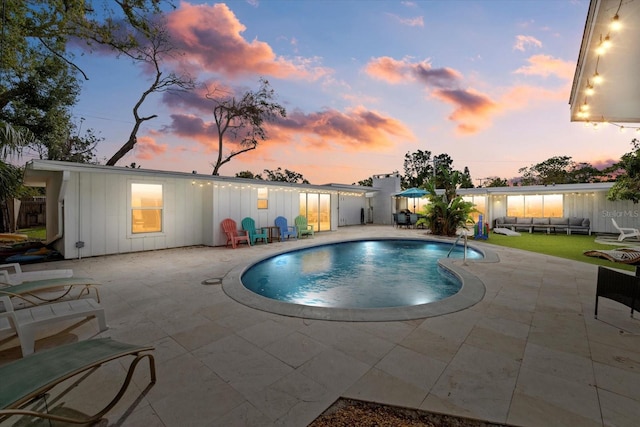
(146, 208)
(263, 198)
(549, 205)
(479, 203)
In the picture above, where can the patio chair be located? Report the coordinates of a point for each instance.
(18, 276)
(29, 379)
(626, 231)
(618, 286)
(26, 321)
(234, 235)
(249, 225)
(304, 229)
(286, 231)
(37, 292)
(403, 220)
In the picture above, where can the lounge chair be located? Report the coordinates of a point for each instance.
(286, 231)
(44, 291)
(18, 276)
(622, 255)
(304, 229)
(249, 225)
(234, 236)
(26, 321)
(626, 231)
(31, 377)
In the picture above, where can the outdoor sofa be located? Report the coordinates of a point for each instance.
(548, 224)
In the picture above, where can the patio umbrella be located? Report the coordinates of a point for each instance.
(412, 193)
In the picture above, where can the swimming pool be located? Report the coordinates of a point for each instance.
(358, 274)
(373, 279)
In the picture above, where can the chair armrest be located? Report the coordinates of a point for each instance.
(14, 265)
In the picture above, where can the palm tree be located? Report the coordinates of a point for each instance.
(447, 212)
(11, 142)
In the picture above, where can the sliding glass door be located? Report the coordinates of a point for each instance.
(317, 208)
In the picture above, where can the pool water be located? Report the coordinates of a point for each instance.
(359, 274)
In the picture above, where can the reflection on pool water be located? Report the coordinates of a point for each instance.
(359, 274)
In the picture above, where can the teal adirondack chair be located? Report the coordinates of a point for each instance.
(249, 225)
(303, 228)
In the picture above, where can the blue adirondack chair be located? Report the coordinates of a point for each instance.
(286, 231)
(249, 225)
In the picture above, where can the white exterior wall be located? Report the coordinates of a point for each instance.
(97, 212)
(349, 209)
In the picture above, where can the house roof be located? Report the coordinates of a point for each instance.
(36, 170)
(617, 98)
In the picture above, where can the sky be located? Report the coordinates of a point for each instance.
(364, 82)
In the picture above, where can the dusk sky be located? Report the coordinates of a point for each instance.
(364, 82)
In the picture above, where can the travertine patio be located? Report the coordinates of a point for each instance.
(530, 353)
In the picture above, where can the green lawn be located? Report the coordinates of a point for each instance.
(560, 245)
(34, 233)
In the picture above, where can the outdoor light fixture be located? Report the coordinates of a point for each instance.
(615, 25)
(597, 78)
(589, 89)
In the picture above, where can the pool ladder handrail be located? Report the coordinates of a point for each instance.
(464, 255)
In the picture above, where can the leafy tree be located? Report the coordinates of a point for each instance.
(627, 186)
(447, 212)
(243, 120)
(497, 182)
(365, 182)
(248, 175)
(417, 169)
(465, 179)
(285, 176)
(555, 170)
(150, 55)
(585, 172)
(38, 29)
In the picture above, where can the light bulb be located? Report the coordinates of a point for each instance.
(606, 43)
(615, 25)
(597, 78)
(595, 125)
(589, 90)
(621, 129)
(584, 107)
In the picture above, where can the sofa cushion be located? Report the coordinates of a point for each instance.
(509, 219)
(575, 222)
(586, 222)
(525, 220)
(559, 221)
(500, 221)
(540, 221)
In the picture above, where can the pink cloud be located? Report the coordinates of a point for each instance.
(523, 41)
(211, 37)
(545, 66)
(355, 130)
(147, 148)
(472, 110)
(402, 71)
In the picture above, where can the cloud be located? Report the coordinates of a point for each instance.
(211, 38)
(524, 41)
(358, 129)
(402, 71)
(147, 148)
(417, 21)
(472, 110)
(545, 65)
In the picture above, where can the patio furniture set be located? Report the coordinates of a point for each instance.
(548, 224)
(44, 298)
(250, 234)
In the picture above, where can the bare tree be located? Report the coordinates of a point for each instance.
(243, 120)
(151, 55)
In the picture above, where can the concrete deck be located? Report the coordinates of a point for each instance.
(530, 353)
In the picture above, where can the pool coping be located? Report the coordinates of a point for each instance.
(471, 292)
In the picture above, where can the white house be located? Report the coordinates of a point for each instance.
(96, 210)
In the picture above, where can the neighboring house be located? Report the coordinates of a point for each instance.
(96, 210)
